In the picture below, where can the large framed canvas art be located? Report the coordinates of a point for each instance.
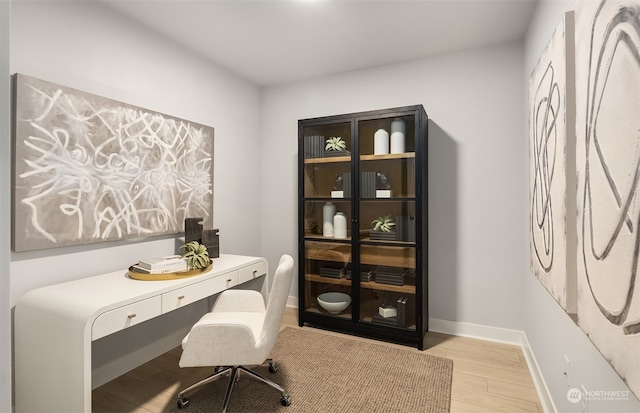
(608, 169)
(550, 134)
(90, 169)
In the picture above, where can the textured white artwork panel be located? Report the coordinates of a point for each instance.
(608, 168)
(90, 169)
(547, 167)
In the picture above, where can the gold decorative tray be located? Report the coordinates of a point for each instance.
(143, 276)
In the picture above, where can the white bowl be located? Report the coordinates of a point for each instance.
(334, 302)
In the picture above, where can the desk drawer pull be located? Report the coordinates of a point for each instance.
(130, 316)
(181, 297)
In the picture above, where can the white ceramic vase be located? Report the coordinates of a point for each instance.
(397, 136)
(328, 211)
(340, 225)
(381, 142)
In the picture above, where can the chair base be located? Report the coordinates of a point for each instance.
(285, 400)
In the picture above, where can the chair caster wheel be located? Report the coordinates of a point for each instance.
(273, 368)
(285, 400)
(182, 402)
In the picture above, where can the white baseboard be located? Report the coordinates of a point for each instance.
(292, 301)
(538, 379)
(495, 334)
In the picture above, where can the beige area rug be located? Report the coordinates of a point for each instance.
(327, 373)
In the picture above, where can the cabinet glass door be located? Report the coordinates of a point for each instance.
(327, 216)
(387, 221)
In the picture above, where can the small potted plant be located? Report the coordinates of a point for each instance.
(335, 146)
(383, 228)
(196, 254)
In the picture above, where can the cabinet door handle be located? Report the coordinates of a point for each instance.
(130, 316)
(255, 272)
(181, 297)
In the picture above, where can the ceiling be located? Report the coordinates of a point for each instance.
(276, 41)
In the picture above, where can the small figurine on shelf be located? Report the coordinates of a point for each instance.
(383, 186)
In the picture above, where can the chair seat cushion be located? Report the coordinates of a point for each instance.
(227, 338)
(253, 321)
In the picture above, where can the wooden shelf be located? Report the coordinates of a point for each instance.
(329, 159)
(346, 314)
(318, 237)
(370, 320)
(406, 155)
(327, 280)
(366, 240)
(335, 159)
(389, 242)
(329, 251)
(388, 256)
(404, 289)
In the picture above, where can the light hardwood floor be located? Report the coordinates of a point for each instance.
(487, 377)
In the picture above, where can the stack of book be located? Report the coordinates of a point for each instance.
(368, 185)
(387, 321)
(390, 275)
(332, 272)
(366, 276)
(314, 146)
(162, 265)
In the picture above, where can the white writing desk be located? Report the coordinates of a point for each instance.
(55, 326)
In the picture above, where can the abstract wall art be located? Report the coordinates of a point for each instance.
(608, 169)
(90, 169)
(549, 101)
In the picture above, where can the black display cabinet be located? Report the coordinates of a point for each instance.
(362, 224)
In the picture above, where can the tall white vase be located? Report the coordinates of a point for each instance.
(381, 142)
(397, 136)
(340, 225)
(328, 211)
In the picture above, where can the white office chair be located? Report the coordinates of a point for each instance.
(239, 331)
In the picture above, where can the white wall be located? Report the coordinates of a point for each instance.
(5, 209)
(550, 331)
(475, 103)
(88, 46)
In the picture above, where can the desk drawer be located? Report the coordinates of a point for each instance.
(194, 292)
(120, 318)
(252, 271)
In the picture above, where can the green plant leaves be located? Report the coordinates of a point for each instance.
(383, 223)
(196, 254)
(335, 143)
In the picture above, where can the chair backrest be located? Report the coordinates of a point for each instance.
(277, 299)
